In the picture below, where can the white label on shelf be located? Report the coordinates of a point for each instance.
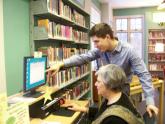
(159, 47)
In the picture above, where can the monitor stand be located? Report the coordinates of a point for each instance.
(33, 94)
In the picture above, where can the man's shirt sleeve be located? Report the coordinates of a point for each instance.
(76, 60)
(139, 68)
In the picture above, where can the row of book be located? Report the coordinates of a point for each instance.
(156, 57)
(157, 75)
(77, 90)
(56, 54)
(156, 67)
(60, 8)
(67, 76)
(152, 49)
(56, 30)
(80, 37)
(59, 54)
(157, 34)
(153, 41)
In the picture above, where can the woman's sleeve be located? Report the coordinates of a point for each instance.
(93, 109)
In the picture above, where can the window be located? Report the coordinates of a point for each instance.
(129, 29)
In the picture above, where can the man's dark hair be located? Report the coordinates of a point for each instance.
(116, 38)
(101, 30)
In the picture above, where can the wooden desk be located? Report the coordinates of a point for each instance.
(19, 96)
(51, 118)
(61, 119)
(157, 84)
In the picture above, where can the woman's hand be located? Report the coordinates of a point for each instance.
(75, 107)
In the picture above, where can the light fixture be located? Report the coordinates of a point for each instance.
(161, 6)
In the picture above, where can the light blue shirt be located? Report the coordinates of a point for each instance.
(125, 57)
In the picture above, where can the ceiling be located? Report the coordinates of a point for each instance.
(131, 3)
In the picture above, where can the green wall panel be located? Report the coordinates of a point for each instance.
(16, 41)
(133, 11)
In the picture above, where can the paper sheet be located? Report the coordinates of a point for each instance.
(21, 99)
(18, 114)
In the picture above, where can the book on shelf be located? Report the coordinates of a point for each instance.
(156, 67)
(77, 90)
(68, 76)
(56, 30)
(55, 21)
(61, 8)
(45, 23)
(58, 54)
(156, 52)
(79, 36)
(156, 58)
(156, 34)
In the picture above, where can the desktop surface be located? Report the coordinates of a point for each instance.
(61, 119)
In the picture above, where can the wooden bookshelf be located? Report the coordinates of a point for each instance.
(84, 93)
(156, 56)
(59, 29)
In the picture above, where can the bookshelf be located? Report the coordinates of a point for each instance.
(156, 52)
(59, 29)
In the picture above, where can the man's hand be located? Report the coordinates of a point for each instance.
(55, 68)
(152, 109)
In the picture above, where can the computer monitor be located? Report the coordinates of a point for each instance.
(34, 75)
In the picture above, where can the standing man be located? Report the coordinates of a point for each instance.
(111, 51)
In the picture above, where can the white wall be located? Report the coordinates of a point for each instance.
(132, 3)
(95, 14)
(2, 58)
(110, 14)
(88, 4)
(106, 13)
(95, 18)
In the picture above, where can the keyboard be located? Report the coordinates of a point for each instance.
(63, 111)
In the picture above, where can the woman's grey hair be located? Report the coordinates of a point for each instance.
(113, 77)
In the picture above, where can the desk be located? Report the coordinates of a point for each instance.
(19, 97)
(51, 118)
(61, 119)
(157, 84)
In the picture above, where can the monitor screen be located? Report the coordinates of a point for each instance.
(34, 73)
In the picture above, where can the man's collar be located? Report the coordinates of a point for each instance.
(118, 48)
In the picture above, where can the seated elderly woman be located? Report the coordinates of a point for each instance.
(116, 107)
